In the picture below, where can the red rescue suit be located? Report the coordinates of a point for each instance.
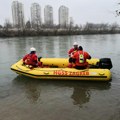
(72, 51)
(31, 59)
(80, 59)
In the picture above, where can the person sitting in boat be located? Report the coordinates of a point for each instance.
(73, 50)
(79, 59)
(71, 53)
(31, 59)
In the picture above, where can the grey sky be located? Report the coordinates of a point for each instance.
(82, 11)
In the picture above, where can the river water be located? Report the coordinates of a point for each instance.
(23, 98)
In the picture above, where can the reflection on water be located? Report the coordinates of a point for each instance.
(80, 96)
(31, 87)
(81, 90)
(32, 92)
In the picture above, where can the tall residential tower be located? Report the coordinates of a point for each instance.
(18, 14)
(48, 16)
(35, 15)
(63, 16)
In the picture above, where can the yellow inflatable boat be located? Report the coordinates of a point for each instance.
(56, 68)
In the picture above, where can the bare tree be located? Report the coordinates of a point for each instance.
(114, 27)
(7, 24)
(28, 25)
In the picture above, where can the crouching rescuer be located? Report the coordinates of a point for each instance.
(31, 59)
(79, 59)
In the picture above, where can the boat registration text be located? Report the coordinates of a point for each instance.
(71, 73)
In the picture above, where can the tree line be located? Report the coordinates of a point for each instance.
(89, 28)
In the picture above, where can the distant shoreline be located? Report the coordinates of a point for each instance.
(53, 32)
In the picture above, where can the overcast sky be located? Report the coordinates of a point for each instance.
(82, 11)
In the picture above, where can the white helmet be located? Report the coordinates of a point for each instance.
(75, 43)
(32, 49)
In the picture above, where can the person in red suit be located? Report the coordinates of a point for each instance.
(73, 50)
(71, 53)
(80, 58)
(31, 59)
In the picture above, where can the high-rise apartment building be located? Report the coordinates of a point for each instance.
(71, 22)
(48, 16)
(35, 15)
(18, 14)
(63, 16)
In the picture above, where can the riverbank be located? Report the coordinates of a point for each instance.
(53, 32)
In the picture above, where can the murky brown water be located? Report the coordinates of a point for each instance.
(23, 98)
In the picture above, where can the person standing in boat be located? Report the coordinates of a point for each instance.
(31, 59)
(80, 57)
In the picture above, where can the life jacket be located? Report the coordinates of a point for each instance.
(81, 57)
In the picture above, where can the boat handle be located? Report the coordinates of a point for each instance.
(101, 73)
(46, 73)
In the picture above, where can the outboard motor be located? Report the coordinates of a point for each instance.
(105, 63)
